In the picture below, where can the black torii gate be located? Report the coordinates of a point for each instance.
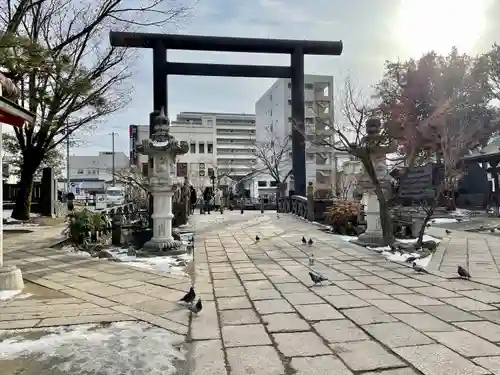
(160, 43)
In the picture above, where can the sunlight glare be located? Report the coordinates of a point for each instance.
(438, 25)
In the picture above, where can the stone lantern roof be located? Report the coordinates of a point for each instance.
(12, 113)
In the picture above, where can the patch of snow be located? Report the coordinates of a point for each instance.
(398, 256)
(424, 238)
(158, 263)
(123, 348)
(462, 212)
(6, 216)
(6, 295)
(443, 220)
(401, 257)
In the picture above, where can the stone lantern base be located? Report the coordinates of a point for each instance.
(159, 245)
(11, 278)
(373, 236)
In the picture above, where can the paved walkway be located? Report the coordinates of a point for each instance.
(478, 252)
(262, 316)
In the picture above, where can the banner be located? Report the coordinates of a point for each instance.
(133, 144)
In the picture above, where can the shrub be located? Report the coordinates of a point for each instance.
(343, 215)
(84, 224)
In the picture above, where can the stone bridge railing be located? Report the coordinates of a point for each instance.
(306, 207)
(123, 209)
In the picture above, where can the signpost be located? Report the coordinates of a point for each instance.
(100, 202)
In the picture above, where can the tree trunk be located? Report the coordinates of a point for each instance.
(23, 199)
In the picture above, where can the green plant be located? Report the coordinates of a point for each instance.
(84, 224)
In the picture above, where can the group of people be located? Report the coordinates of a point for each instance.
(208, 201)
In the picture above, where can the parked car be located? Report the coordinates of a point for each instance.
(115, 196)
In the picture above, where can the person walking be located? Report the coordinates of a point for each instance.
(207, 197)
(192, 198)
(217, 200)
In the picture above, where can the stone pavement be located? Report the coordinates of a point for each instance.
(374, 316)
(477, 252)
(262, 316)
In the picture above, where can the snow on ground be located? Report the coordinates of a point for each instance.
(6, 215)
(165, 263)
(6, 295)
(123, 348)
(443, 220)
(398, 256)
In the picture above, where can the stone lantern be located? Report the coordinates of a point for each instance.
(377, 151)
(163, 150)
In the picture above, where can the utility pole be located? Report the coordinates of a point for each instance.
(67, 157)
(113, 156)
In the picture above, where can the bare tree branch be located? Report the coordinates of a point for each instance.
(273, 156)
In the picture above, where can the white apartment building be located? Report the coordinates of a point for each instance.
(219, 143)
(273, 119)
(94, 172)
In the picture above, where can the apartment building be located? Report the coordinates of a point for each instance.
(273, 119)
(219, 143)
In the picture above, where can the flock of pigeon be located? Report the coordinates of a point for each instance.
(316, 278)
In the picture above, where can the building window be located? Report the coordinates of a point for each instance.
(262, 183)
(309, 86)
(210, 122)
(79, 171)
(273, 183)
(210, 172)
(201, 148)
(210, 148)
(192, 148)
(89, 171)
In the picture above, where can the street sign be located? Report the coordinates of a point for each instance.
(73, 184)
(77, 190)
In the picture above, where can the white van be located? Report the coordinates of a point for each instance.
(115, 196)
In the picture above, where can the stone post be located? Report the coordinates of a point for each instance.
(116, 228)
(310, 202)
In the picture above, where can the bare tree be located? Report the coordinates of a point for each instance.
(346, 186)
(273, 157)
(56, 52)
(451, 131)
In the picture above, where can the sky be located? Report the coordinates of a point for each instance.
(372, 32)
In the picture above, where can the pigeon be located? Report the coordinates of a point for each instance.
(448, 231)
(277, 216)
(310, 242)
(459, 220)
(492, 230)
(196, 308)
(419, 269)
(311, 260)
(433, 221)
(189, 297)
(317, 279)
(304, 241)
(462, 272)
(411, 259)
(257, 238)
(428, 225)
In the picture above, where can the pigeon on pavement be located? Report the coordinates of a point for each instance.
(448, 231)
(311, 260)
(317, 279)
(196, 308)
(304, 241)
(419, 269)
(310, 242)
(189, 297)
(462, 272)
(257, 238)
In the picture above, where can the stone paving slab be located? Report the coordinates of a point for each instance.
(261, 312)
(373, 316)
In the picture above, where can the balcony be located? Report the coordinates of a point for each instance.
(235, 135)
(235, 127)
